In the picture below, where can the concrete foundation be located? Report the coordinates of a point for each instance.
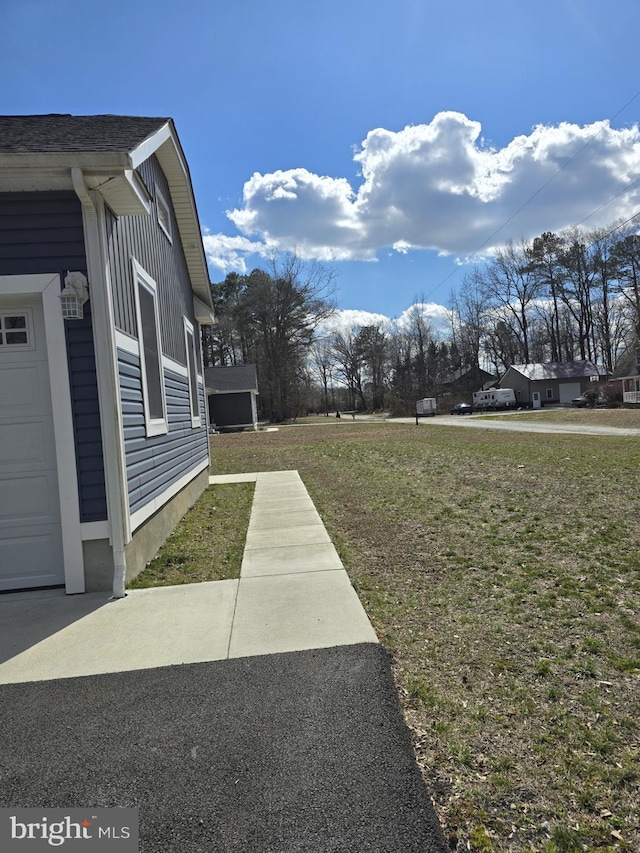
(148, 538)
(98, 565)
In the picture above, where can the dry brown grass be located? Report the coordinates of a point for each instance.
(629, 418)
(502, 571)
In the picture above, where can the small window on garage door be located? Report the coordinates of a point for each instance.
(16, 330)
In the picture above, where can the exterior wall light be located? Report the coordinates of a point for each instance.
(74, 295)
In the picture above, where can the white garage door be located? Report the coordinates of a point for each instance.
(569, 390)
(30, 530)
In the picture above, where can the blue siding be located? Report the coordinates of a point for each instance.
(141, 237)
(43, 233)
(86, 418)
(154, 463)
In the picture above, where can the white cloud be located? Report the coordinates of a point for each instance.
(438, 186)
(344, 321)
(227, 254)
(351, 318)
(435, 314)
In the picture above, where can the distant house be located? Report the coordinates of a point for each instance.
(232, 396)
(103, 282)
(628, 373)
(551, 382)
(465, 380)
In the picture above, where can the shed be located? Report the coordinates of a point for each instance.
(103, 285)
(552, 382)
(232, 396)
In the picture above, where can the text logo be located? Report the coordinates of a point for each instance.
(100, 830)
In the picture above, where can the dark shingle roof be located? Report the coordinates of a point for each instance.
(237, 377)
(66, 133)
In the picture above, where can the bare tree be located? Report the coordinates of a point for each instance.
(349, 362)
(509, 285)
(273, 317)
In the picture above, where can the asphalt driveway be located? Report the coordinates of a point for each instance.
(304, 751)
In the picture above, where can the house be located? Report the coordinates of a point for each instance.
(551, 382)
(103, 285)
(465, 380)
(628, 373)
(232, 396)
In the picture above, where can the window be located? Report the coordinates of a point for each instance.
(164, 214)
(150, 352)
(15, 330)
(192, 370)
(549, 393)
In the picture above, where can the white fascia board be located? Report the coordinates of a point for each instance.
(203, 313)
(124, 193)
(174, 166)
(105, 161)
(150, 145)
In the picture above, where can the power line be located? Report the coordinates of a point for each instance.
(544, 186)
(621, 192)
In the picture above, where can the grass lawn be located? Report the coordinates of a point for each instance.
(502, 570)
(207, 545)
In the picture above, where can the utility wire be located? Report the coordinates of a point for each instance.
(621, 192)
(544, 186)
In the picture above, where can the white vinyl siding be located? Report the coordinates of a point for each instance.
(155, 407)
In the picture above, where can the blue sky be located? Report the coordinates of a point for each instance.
(391, 138)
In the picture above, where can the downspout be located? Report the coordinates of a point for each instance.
(108, 386)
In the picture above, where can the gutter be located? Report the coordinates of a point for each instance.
(108, 388)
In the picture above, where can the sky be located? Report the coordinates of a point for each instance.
(397, 141)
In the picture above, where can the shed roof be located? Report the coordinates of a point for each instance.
(232, 379)
(559, 370)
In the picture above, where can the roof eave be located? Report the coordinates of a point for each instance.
(111, 174)
(174, 165)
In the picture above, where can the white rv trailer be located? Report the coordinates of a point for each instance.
(496, 398)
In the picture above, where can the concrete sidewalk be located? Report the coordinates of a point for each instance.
(239, 750)
(293, 595)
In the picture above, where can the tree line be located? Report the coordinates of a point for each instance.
(566, 296)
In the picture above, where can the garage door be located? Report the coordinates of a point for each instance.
(569, 390)
(30, 529)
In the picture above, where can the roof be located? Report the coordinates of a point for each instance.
(102, 153)
(559, 370)
(232, 379)
(57, 133)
